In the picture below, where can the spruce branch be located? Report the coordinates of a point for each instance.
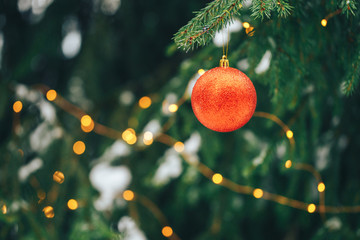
(348, 7)
(218, 14)
(353, 77)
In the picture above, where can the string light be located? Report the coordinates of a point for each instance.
(58, 177)
(246, 25)
(217, 178)
(17, 106)
(167, 231)
(311, 208)
(173, 108)
(288, 164)
(49, 211)
(179, 147)
(72, 204)
(89, 128)
(258, 193)
(79, 147)
(129, 136)
(321, 187)
(324, 22)
(145, 102)
(86, 120)
(201, 71)
(128, 195)
(4, 209)
(148, 138)
(289, 134)
(51, 95)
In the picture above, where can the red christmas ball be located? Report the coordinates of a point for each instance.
(223, 99)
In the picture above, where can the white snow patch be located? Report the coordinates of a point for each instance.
(333, 223)
(222, 37)
(43, 136)
(26, 170)
(109, 181)
(118, 149)
(153, 126)
(170, 168)
(243, 64)
(109, 7)
(128, 226)
(264, 64)
(126, 98)
(260, 159)
(192, 145)
(71, 44)
(322, 156)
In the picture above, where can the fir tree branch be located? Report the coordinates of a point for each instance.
(353, 77)
(348, 7)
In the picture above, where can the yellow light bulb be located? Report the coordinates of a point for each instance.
(88, 128)
(58, 177)
(173, 108)
(49, 211)
(321, 187)
(148, 135)
(128, 195)
(145, 102)
(4, 209)
(86, 120)
(79, 147)
(288, 164)
(246, 24)
(179, 147)
(311, 208)
(324, 22)
(201, 71)
(72, 204)
(17, 106)
(51, 95)
(167, 231)
(289, 134)
(258, 193)
(217, 178)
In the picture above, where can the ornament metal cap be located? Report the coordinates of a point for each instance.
(224, 62)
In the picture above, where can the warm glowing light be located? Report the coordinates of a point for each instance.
(288, 164)
(246, 24)
(250, 31)
(311, 208)
(179, 147)
(173, 108)
(201, 71)
(79, 147)
(148, 138)
(128, 195)
(72, 204)
(145, 102)
(49, 211)
(167, 231)
(148, 142)
(324, 22)
(51, 95)
(217, 178)
(4, 209)
(58, 177)
(86, 120)
(258, 193)
(128, 135)
(321, 187)
(17, 106)
(132, 140)
(88, 128)
(289, 134)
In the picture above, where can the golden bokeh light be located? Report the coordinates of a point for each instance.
(17, 106)
(148, 135)
(167, 231)
(173, 108)
(88, 128)
(79, 147)
(321, 187)
(86, 120)
(324, 22)
(129, 136)
(217, 178)
(311, 208)
(58, 177)
(132, 140)
(246, 24)
(145, 102)
(51, 95)
(179, 147)
(201, 71)
(148, 142)
(258, 193)
(128, 195)
(4, 209)
(289, 134)
(72, 204)
(288, 164)
(49, 211)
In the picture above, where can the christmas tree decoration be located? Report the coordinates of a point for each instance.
(224, 98)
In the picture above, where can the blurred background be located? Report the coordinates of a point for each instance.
(63, 176)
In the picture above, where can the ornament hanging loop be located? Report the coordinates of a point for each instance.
(224, 62)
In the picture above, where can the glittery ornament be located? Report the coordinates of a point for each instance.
(223, 98)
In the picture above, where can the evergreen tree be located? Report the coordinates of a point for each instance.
(99, 139)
